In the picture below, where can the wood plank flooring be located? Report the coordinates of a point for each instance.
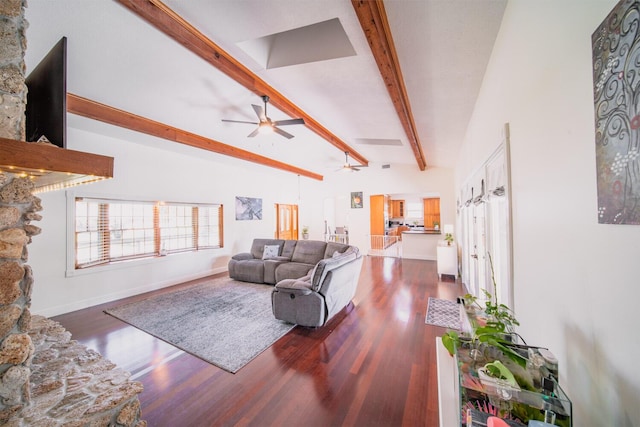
(372, 365)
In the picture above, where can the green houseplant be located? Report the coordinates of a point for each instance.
(498, 330)
(448, 237)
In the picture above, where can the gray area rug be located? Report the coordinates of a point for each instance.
(222, 321)
(444, 313)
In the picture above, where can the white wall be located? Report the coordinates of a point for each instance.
(161, 170)
(399, 179)
(576, 282)
(154, 172)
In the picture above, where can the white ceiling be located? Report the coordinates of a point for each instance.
(116, 58)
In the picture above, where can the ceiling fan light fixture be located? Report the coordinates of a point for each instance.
(265, 128)
(348, 167)
(265, 124)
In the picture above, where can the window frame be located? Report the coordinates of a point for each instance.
(107, 260)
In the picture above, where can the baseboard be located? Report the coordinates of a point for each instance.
(101, 299)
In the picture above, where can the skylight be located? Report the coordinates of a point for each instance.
(316, 42)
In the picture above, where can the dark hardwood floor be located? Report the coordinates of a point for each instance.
(374, 364)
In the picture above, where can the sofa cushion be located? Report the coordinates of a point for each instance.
(257, 248)
(250, 270)
(270, 266)
(292, 270)
(270, 251)
(333, 247)
(309, 251)
(326, 265)
(287, 250)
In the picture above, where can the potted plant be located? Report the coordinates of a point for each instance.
(448, 237)
(495, 327)
(305, 232)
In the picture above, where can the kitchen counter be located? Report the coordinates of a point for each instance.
(420, 244)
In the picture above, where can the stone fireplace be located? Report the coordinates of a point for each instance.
(46, 378)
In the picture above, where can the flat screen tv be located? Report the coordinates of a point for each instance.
(46, 111)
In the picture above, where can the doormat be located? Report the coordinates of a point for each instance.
(444, 313)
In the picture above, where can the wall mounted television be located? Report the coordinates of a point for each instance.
(46, 111)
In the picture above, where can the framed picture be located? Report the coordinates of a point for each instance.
(356, 200)
(248, 209)
(615, 51)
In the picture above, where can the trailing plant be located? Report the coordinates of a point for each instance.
(498, 330)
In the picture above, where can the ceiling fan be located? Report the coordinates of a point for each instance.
(265, 124)
(348, 167)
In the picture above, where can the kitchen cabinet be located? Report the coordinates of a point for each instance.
(397, 208)
(431, 212)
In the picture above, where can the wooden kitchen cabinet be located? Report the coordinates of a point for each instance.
(431, 212)
(397, 208)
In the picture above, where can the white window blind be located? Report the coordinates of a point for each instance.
(114, 230)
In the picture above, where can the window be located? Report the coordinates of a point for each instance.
(414, 210)
(113, 230)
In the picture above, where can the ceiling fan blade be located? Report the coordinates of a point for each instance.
(289, 122)
(259, 112)
(282, 133)
(254, 133)
(239, 121)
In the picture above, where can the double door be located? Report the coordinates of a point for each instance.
(286, 222)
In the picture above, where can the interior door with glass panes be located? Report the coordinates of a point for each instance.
(286, 222)
(488, 256)
(478, 273)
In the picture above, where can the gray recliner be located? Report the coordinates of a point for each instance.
(314, 299)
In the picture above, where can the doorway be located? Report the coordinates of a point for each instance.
(286, 222)
(487, 255)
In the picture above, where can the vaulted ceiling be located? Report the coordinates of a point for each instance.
(400, 89)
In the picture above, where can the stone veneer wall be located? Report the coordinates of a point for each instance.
(46, 379)
(18, 207)
(13, 91)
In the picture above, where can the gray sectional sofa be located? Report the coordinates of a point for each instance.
(313, 280)
(294, 260)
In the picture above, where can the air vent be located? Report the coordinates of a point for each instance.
(387, 166)
(378, 141)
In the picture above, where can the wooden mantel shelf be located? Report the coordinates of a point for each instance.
(51, 167)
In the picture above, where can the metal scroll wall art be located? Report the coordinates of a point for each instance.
(616, 80)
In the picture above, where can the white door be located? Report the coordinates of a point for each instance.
(478, 250)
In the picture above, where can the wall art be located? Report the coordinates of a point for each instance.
(616, 90)
(248, 208)
(356, 200)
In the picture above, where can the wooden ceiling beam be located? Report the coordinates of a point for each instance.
(173, 25)
(104, 113)
(373, 19)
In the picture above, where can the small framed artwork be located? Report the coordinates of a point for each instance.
(248, 209)
(356, 200)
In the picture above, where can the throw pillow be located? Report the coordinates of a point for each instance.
(270, 251)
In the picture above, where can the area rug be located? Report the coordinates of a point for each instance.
(222, 321)
(442, 312)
